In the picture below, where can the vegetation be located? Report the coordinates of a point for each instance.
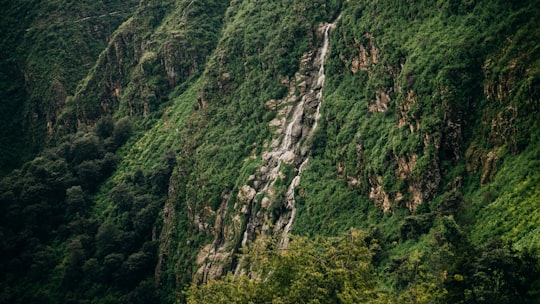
(328, 270)
(129, 128)
(47, 48)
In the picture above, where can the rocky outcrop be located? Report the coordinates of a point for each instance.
(368, 54)
(405, 107)
(378, 194)
(381, 102)
(367, 60)
(488, 167)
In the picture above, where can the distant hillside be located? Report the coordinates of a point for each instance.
(47, 47)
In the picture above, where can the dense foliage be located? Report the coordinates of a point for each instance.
(329, 270)
(55, 248)
(129, 129)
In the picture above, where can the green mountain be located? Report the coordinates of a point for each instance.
(326, 151)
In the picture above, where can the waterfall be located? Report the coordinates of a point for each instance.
(288, 151)
(295, 123)
(322, 77)
(291, 205)
(317, 90)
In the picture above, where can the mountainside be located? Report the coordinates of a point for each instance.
(47, 47)
(288, 151)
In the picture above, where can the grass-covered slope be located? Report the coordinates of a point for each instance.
(418, 98)
(456, 140)
(163, 45)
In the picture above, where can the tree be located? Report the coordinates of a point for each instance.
(122, 197)
(89, 173)
(323, 270)
(86, 147)
(137, 265)
(122, 131)
(497, 274)
(73, 263)
(145, 218)
(107, 239)
(76, 201)
(104, 127)
(112, 264)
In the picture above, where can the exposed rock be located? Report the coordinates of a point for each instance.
(503, 128)
(265, 202)
(297, 130)
(296, 120)
(378, 194)
(417, 195)
(425, 189)
(488, 168)
(246, 194)
(399, 197)
(374, 50)
(380, 104)
(272, 104)
(219, 257)
(353, 181)
(302, 87)
(405, 166)
(288, 157)
(203, 254)
(404, 108)
(213, 265)
(275, 123)
(364, 59)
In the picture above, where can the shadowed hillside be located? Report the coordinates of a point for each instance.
(270, 152)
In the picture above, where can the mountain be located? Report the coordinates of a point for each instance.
(270, 151)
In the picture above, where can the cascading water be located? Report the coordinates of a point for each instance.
(284, 224)
(322, 77)
(289, 150)
(297, 121)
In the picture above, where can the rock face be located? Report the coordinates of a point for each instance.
(275, 181)
(377, 193)
(404, 108)
(420, 179)
(144, 61)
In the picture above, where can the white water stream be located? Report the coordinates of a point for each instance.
(322, 77)
(318, 91)
(288, 150)
(277, 211)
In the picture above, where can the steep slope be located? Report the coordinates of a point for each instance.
(208, 136)
(431, 115)
(269, 187)
(160, 47)
(408, 125)
(59, 227)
